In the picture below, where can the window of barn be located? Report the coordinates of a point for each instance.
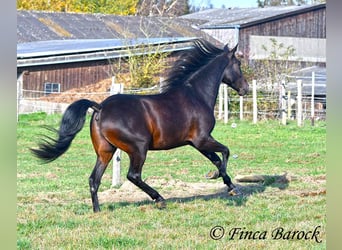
(51, 87)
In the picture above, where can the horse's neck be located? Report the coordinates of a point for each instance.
(207, 80)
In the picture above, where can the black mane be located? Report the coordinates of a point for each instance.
(189, 62)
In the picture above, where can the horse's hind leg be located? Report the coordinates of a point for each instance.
(134, 175)
(104, 151)
(102, 161)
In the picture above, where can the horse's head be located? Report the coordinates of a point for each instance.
(233, 75)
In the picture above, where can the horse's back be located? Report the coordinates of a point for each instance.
(122, 110)
(155, 120)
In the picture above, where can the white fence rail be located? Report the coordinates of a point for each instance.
(276, 102)
(263, 102)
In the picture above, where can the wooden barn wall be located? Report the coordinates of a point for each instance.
(69, 75)
(310, 25)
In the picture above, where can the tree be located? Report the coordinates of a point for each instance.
(145, 62)
(143, 69)
(269, 73)
(168, 8)
(50, 5)
(263, 3)
(122, 7)
(277, 65)
(126, 7)
(273, 70)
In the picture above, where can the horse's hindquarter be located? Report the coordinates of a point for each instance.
(121, 122)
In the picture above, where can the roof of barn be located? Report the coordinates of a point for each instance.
(58, 37)
(35, 26)
(305, 75)
(245, 17)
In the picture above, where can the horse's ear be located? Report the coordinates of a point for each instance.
(234, 49)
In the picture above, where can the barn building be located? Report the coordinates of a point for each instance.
(303, 27)
(56, 66)
(60, 51)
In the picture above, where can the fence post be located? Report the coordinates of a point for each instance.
(161, 84)
(299, 103)
(18, 98)
(283, 102)
(19, 93)
(116, 88)
(255, 107)
(241, 108)
(116, 180)
(313, 98)
(289, 105)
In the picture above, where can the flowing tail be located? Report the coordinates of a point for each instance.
(72, 122)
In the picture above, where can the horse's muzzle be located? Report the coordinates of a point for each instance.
(243, 92)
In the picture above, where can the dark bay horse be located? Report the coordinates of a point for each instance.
(183, 114)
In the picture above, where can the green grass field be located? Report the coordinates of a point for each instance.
(54, 207)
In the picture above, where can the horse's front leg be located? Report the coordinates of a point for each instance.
(223, 172)
(208, 148)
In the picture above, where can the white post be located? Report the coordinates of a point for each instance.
(18, 98)
(289, 104)
(116, 88)
(116, 180)
(241, 108)
(225, 101)
(313, 99)
(299, 103)
(19, 93)
(161, 82)
(255, 107)
(283, 103)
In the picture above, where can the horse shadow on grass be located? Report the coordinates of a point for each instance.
(245, 191)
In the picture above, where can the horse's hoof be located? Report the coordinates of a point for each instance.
(234, 192)
(161, 204)
(212, 174)
(96, 209)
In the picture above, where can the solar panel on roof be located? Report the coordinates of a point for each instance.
(63, 47)
(68, 51)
